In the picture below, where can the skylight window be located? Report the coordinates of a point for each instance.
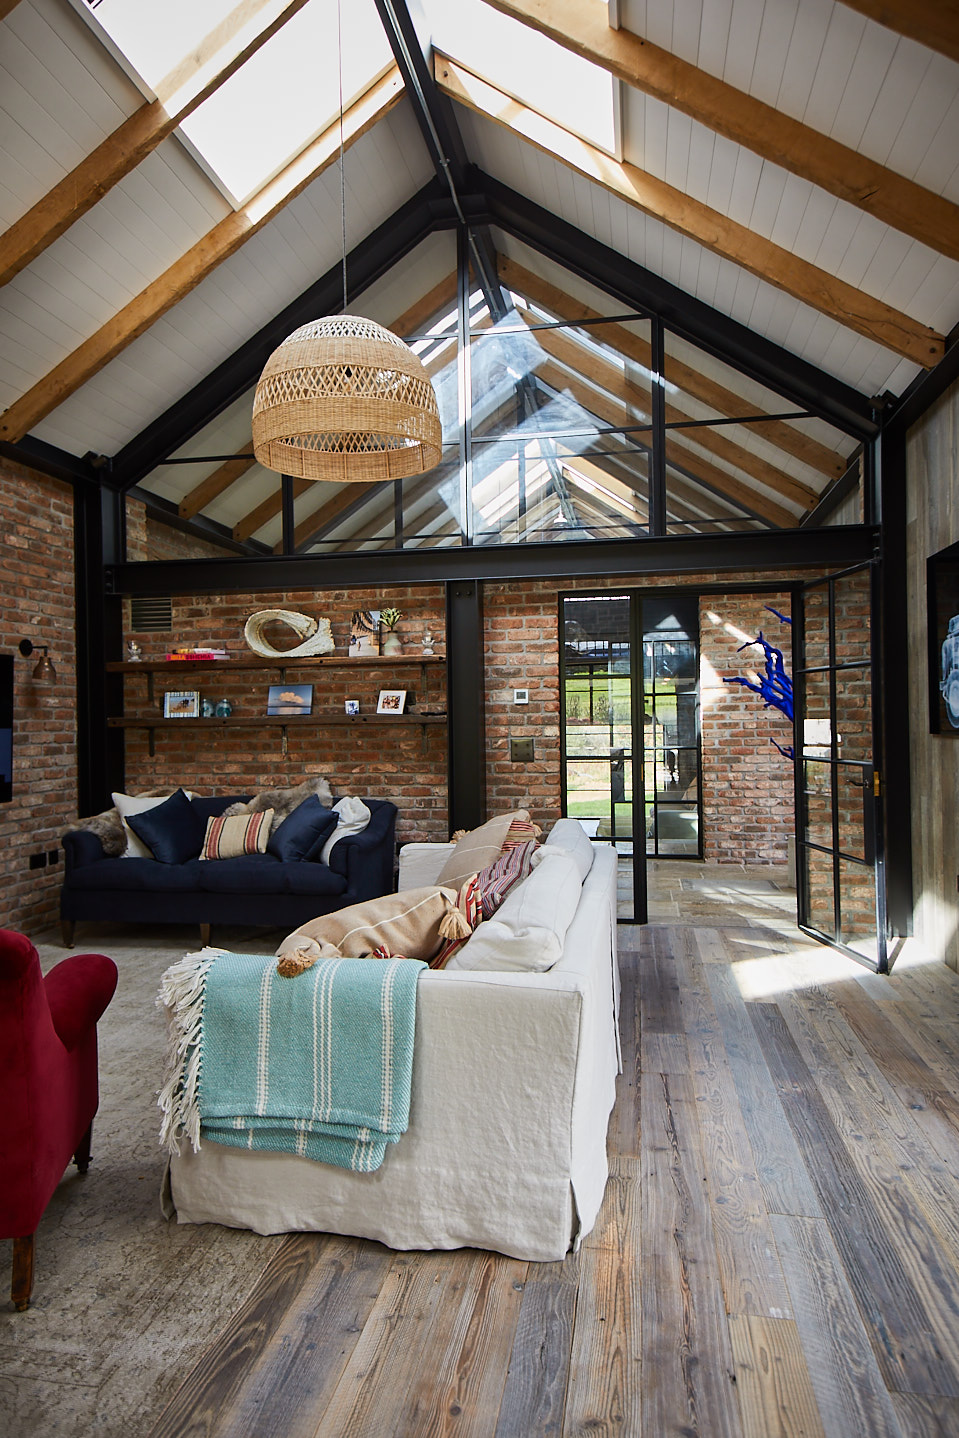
(277, 102)
(532, 68)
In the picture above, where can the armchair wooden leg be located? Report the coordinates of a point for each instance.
(67, 927)
(82, 1156)
(205, 933)
(22, 1286)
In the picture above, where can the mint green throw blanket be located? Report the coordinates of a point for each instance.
(318, 1065)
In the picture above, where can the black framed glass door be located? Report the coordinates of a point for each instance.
(840, 873)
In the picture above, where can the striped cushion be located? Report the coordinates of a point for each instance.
(238, 835)
(482, 894)
(520, 832)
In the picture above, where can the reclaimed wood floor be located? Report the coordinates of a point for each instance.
(778, 1252)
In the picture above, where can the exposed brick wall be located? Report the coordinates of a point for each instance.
(747, 783)
(36, 582)
(404, 763)
(748, 791)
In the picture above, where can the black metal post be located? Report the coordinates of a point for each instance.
(895, 662)
(99, 540)
(466, 705)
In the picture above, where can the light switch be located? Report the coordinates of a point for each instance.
(520, 750)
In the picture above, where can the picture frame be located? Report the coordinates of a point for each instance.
(181, 704)
(391, 701)
(290, 700)
(351, 706)
(942, 628)
(364, 634)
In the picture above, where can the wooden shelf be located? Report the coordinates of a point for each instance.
(325, 661)
(260, 721)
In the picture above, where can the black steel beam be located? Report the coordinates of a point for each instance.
(98, 522)
(808, 387)
(466, 704)
(50, 460)
(776, 551)
(895, 663)
(434, 112)
(366, 262)
(926, 388)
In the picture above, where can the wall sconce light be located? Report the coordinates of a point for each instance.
(43, 670)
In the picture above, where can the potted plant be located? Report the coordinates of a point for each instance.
(390, 618)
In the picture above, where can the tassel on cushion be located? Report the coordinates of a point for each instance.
(298, 960)
(455, 925)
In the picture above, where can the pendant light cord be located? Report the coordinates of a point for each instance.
(339, 53)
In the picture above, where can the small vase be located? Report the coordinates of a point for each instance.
(392, 643)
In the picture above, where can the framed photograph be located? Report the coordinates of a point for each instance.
(352, 706)
(391, 701)
(290, 699)
(365, 634)
(181, 704)
(942, 602)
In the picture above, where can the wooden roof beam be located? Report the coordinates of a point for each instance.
(934, 23)
(115, 157)
(768, 132)
(815, 287)
(691, 381)
(199, 261)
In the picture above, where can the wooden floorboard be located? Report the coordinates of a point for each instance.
(777, 1253)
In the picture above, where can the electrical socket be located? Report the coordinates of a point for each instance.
(53, 856)
(38, 861)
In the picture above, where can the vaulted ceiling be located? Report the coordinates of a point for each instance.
(777, 180)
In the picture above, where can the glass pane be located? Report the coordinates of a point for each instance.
(778, 461)
(816, 612)
(817, 787)
(857, 892)
(677, 828)
(854, 714)
(818, 881)
(854, 787)
(558, 377)
(817, 726)
(536, 489)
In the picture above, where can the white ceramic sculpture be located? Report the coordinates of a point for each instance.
(315, 633)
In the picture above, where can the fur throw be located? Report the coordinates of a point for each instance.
(108, 828)
(284, 801)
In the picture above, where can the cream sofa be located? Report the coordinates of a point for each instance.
(513, 1081)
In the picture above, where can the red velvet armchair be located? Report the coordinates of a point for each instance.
(48, 1083)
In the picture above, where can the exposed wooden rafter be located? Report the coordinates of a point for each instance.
(690, 381)
(199, 261)
(119, 154)
(842, 171)
(932, 22)
(815, 287)
(6, 6)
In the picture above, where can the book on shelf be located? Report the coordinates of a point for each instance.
(199, 652)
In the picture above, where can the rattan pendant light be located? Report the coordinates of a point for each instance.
(345, 399)
(342, 398)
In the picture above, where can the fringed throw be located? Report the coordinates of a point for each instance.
(320, 1066)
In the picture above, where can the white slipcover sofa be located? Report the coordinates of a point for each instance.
(514, 1079)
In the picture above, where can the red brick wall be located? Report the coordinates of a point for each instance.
(404, 763)
(36, 583)
(748, 789)
(747, 783)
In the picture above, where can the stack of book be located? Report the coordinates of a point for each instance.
(200, 652)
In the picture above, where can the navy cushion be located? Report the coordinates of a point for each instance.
(138, 876)
(173, 831)
(247, 874)
(303, 833)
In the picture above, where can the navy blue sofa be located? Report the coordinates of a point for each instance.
(255, 889)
